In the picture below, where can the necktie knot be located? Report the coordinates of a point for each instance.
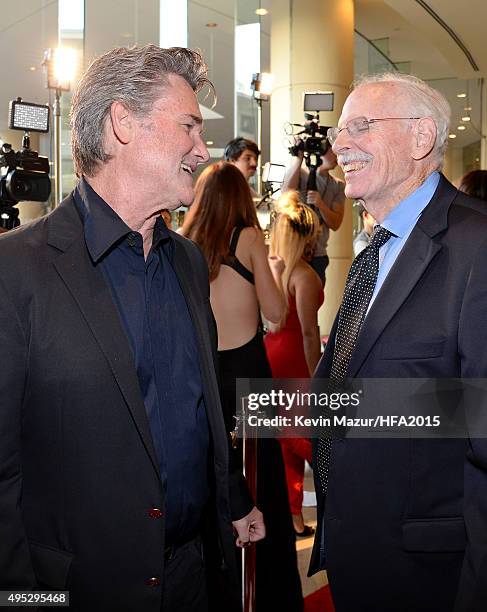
(380, 236)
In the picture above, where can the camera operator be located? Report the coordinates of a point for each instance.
(327, 201)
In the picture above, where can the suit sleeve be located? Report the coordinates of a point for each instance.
(15, 564)
(472, 337)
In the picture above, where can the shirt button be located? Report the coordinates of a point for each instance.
(153, 582)
(131, 239)
(155, 513)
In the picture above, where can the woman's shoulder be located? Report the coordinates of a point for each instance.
(250, 238)
(251, 233)
(304, 274)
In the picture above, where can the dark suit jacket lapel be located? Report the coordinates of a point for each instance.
(92, 295)
(410, 265)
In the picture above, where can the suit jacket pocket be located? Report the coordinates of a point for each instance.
(51, 565)
(434, 535)
(414, 349)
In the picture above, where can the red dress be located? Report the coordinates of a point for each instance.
(284, 348)
(285, 352)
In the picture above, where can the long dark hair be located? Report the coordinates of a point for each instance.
(223, 201)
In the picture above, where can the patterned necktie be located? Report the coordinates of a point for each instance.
(358, 292)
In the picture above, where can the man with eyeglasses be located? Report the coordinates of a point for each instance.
(402, 523)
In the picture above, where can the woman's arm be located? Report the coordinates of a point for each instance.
(267, 276)
(307, 288)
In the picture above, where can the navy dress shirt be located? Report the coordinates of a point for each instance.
(155, 317)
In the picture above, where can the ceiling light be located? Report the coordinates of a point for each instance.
(261, 11)
(461, 127)
(461, 95)
(466, 118)
(211, 24)
(452, 136)
(467, 108)
(210, 142)
(32, 68)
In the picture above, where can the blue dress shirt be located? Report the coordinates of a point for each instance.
(160, 333)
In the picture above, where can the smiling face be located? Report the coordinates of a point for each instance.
(246, 163)
(378, 164)
(170, 147)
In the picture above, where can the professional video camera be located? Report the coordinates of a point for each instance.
(312, 140)
(24, 174)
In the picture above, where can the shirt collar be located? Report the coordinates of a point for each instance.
(404, 216)
(103, 228)
(161, 234)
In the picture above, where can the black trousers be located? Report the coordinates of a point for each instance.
(319, 265)
(184, 587)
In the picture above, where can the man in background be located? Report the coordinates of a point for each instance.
(244, 154)
(113, 451)
(362, 239)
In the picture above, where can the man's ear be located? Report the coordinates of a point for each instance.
(122, 121)
(424, 137)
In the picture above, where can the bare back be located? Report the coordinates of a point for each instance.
(235, 301)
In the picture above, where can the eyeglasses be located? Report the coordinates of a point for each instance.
(359, 126)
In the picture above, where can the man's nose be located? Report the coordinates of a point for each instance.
(342, 142)
(201, 150)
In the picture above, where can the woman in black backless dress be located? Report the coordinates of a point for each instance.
(244, 281)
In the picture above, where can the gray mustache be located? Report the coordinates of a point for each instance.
(345, 158)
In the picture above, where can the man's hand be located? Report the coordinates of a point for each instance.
(250, 528)
(313, 197)
(297, 150)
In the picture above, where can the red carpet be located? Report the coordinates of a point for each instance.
(319, 601)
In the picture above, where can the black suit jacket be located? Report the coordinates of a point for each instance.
(405, 521)
(78, 471)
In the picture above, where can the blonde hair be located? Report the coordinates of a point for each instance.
(296, 226)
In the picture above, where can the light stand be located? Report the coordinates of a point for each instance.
(261, 90)
(59, 66)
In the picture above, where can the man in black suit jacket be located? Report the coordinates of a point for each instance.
(403, 523)
(113, 450)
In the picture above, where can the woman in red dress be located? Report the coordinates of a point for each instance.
(293, 346)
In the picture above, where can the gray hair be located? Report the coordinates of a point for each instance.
(133, 76)
(422, 100)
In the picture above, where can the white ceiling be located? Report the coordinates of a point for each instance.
(414, 36)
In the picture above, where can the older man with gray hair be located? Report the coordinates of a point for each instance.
(114, 460)
(403, 522)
